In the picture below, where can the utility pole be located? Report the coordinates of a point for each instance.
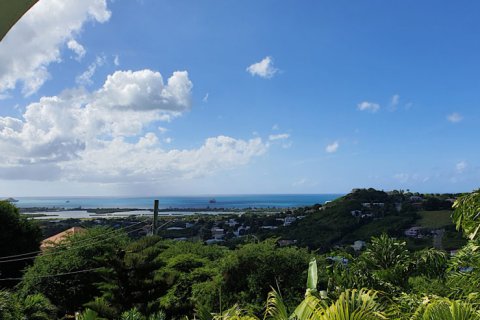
(155, 216)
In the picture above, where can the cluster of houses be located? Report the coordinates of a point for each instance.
(366, 211)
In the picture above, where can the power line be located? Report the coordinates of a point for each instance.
(54, 275)
(72, 272)
(86, 240)
(67, 248)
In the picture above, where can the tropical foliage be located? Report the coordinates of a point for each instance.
(102, 274)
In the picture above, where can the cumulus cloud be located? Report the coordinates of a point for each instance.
(103, 135)
(333, 147)
(145, 90)
(263, 69)
(368, 106)
(281, 136)
(37, 39)
(77, 48)
(454, 117)
(120, 161)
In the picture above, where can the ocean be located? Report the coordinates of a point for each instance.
(210, 201)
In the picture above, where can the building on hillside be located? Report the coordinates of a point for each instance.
(59, 237)
(416, 199)
(338, 259)
(218, 233)
(284, 243)
(232, 223)
(356, 213)
(358, 245)
(288, 221)
(413, 232)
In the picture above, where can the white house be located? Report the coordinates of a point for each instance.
(358, 245)
(412, 231)
(289, 220)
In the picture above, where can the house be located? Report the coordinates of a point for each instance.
(360, 214)
(175, 228)
(358, 245)
(288, 221)
(242, 230)
(232, 223)
(416, 199)
(218, 233)
(413, 232)
(59, 237)
(213, 241)
(269, 227)
(180, 239)
(284, 243)
(339, 259)
(356, 213)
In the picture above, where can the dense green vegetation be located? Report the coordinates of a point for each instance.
(104, 274)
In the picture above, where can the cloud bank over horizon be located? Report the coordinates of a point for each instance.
(103, 135)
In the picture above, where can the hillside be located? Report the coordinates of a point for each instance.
(364, 213)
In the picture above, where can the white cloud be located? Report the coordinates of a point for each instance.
(37, 39)
(145, 90)
(162, 129)
(461, 166)
(368, 106)
(333, 147)
(205, 98)
(100, 137)
(263, 69)
(86, 77)
(300, 182)
(77, 48)
(281, 136)
(394, 102)
(116, 60)
(402, 177)
(454, 117)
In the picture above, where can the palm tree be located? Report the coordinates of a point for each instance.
(445, 309)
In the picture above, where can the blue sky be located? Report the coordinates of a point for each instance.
(205, 97)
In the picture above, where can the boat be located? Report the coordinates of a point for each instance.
(212, 201)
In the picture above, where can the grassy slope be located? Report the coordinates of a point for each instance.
(435, 219)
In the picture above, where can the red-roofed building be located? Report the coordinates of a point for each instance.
(59, 237)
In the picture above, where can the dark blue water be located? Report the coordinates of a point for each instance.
(222, 201)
